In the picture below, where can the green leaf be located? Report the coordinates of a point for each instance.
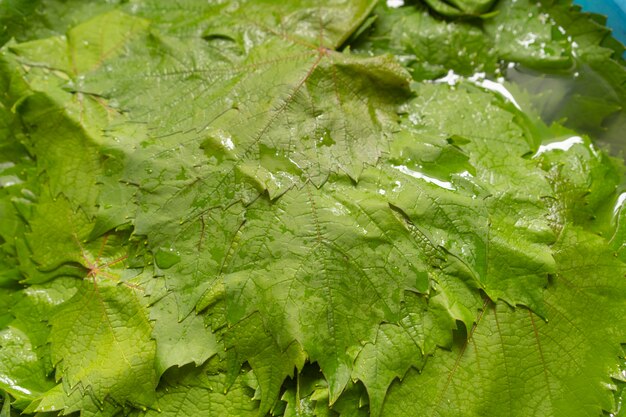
(114, 325)
(460, 7)
(65, 400)
(398, 348)
(428, 46)
(204, 392)
(24, 350)
(6, 406)
(521, 34)
(22, 374)
(179, 342)
(310, 208)
(514, 363)
(26, 20)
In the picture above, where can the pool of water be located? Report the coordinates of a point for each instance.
(581, 99)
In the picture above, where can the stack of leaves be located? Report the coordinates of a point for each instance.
(309, 208)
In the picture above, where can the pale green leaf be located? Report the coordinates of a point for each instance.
(310, 208)
(101, 339)
(512, 362)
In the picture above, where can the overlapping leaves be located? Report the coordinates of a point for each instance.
(209, 209)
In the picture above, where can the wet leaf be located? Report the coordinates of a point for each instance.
(309, 208)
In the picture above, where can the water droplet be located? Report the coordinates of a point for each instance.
(325, 139)
(166, 257)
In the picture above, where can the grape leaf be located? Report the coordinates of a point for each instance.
(111, 323)
(514, 363)
(307, 208)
